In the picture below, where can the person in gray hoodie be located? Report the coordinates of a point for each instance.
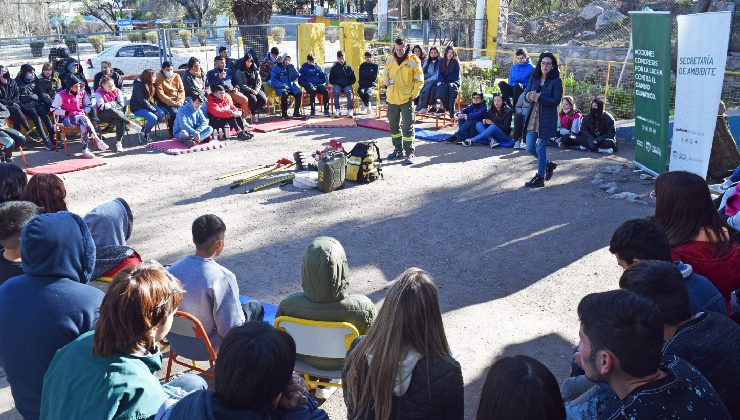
(324, 275)
(47, 307)
(111, 224)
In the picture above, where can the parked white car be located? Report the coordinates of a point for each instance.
(133, 59)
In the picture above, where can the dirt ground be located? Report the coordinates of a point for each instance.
(511, 264)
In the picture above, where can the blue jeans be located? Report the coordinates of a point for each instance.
(347, 90)
(592, 404)
(183, 135)
(486, 132)
(151, 117)
(538, 148)
(189, 383)
(466, 129)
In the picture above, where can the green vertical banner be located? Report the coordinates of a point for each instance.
(651, 43)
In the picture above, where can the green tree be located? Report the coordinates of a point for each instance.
(253, 12)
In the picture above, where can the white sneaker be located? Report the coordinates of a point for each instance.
(100, 144)
(606, 151)
(518, 144)
(87, 154)
(350, 113)
(727, 184)
(119, 147)
(582, 148)
(370, 110)
(494, 143)
(135, 128)
(325, 393)
(255, 118)
(363, 109)
(337, 114)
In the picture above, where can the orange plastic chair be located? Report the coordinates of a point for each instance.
(187, 325)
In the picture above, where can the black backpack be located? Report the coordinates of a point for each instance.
(363, 165)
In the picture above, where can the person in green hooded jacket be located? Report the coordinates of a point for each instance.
(324, 277)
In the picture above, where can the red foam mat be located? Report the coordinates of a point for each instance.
(65, 166)
(375, 124)
(276, 125)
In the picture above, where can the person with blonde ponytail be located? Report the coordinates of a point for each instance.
(109, 373)
(403, 368)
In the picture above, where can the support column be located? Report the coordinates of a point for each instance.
(311, 37)
(352, 42)
(492, 11)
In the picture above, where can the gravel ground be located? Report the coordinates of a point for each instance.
(511, 264)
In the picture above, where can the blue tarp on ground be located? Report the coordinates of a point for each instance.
(270, 309)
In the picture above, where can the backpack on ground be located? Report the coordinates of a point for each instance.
(364, 162)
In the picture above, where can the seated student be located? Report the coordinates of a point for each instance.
(111, 224)
(111, 110)
(467, 118)
(419, 52)
(495, 125)
(170, 92)
(47, 85)
(46, 191)
(448, 81)
(570, 123)
(637, 240)
(282, 79)
(368, 81)
(519, 76)
(10, 98)
(194, 80)
(142, 102)
(621, 335)
(15, 215)
(520, 115)
(12, 182)
(249, 82)
(222, 112)
(109, 373)
(341, 78)
(72, 105)
(597, 130)
(11, 138)
(212, 294)
(269, 62)
(32, 105)
(404, 364)
(254, 380)
(520, 388)
(73, 69)
(48, 306)
(431, 70)
(220, 75)
(324, 278)
(106, 70)
(313, 79)
(191, 126)
(710, 342)
(696, 232)
(223, 51)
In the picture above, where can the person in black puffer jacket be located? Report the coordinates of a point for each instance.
(10, 97)
(31, 104)
(415, 376)
(249, 82)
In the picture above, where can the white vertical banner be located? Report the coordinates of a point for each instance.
(702, 54)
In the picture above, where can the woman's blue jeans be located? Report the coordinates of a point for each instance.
(538, 148)
(486, 132)
(151, 117)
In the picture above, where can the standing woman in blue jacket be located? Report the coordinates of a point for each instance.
(448, 80)
(544, 91)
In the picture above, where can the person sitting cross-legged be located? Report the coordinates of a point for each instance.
(597, 130)
(495, 125)
(708, 340)
(211, 291)
(621, 335)
(342, 77)
(313, 79)
(191, 126)
(467, 118)
(108, 373)
(15, 215)
(253, 381)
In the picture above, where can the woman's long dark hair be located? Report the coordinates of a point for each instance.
(553, 74)
(597, 121)
(684, 208)
(445, 61)
(421, 55)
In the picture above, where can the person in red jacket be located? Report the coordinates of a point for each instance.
(222, 112)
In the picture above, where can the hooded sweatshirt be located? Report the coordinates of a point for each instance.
(284, 75)
(189, 120)
(47, 307)
(520, 73)
(311, 74)
(324, 276)
(110, 225)
(703, 295)
(202, 405)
